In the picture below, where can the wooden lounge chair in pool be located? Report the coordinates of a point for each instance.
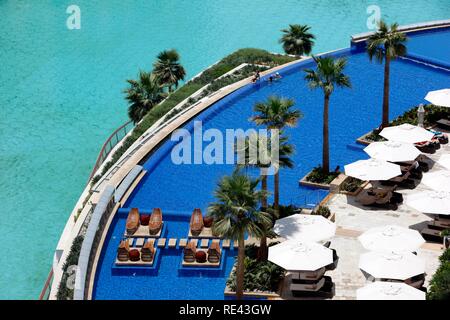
(196, 224)
(155, 223)
(148, 252)
(133, 221)
(189, 251)
(123, 250)
(214, 252)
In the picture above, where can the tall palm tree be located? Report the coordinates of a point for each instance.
(297, 40)
(276, 113)
(236, 213)
(143, 94)
(385, 45)
(329, 74)
(252, 145)
(285, 150)
(168, 68)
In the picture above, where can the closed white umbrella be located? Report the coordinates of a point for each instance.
(444, 161)
(372, 169)
(439, 97)
(391, 238)
(305, 227)
(394, 265)
(381, 290)
(406, 133)
(438, 180)
(293, 255)
(436, 202)
(392, 151)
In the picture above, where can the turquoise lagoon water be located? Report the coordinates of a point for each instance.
(61, 91)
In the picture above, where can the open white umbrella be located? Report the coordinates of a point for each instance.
(372, 169)
(293, 255)
(382, 290)
(392, 151)
(304, 227)
(391, 238)
(436, 202)
(439, 97)
(394, 265)
(406, 133)
(438, 180)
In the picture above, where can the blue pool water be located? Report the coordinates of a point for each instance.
(352, 112)
(61, 90)
(432, 46)
(167, 282)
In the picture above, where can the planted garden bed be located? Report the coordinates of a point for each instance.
(317, 178)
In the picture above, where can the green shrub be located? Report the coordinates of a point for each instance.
(258, 276)
(323, 211)
(286, 211)
(350, 184)
(318, 175)
(440, 283)
(65, 293)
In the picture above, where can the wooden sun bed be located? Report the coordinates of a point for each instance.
(214, 252)
(133, 222)
(431, 235)
(144, 232)
(147, 254)
(155, 223)
(199, 264)
(443, 123)
(196, 223)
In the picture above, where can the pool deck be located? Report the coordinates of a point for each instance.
(352, 219)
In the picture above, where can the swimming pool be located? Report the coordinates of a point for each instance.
(352, 112)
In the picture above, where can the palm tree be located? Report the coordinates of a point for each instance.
(276, 113)
(252, 146)
(285, 150)
(168, 68)
(236, 213)
(297, 40)
(143, 94)
(386, 44)
(329, 74)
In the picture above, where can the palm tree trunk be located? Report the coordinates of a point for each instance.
(325, 145)
(276, 193)
(263, 251)
(387, 67)
(264, 187)
(240, 268)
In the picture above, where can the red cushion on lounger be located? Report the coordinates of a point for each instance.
(145, 218)
(208, 221)
(200, 256)
(134, 255)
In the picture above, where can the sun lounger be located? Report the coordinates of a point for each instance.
(189, 251)
(327, 290)
(308, 286)
(132, 221)
(431, 235)
(403, 181)
(214, 252)
(413, 169)
(442, 137)
(155, 223)
(426, 147)
(383, 200)
(308, 276)
(148, 252)
(123, 250)
(196, 223)
(443, 123)
(416, 281)
(439, 225)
